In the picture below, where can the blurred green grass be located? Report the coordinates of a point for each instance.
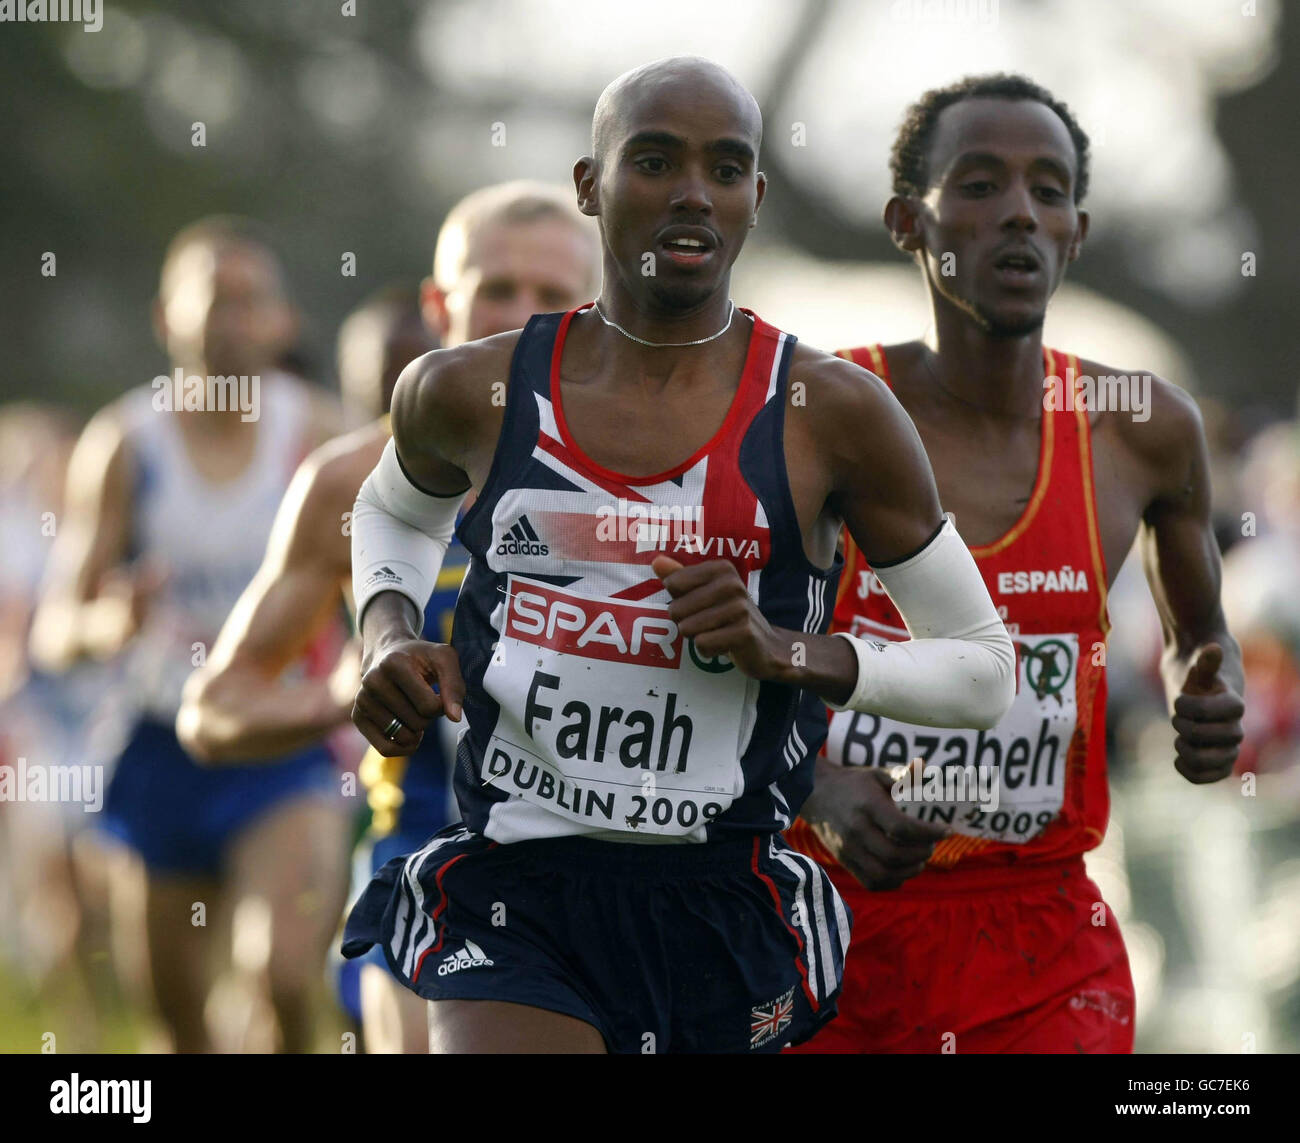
(28, 1016)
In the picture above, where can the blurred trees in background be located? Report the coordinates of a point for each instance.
(352, 133)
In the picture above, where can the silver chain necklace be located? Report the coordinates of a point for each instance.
(731, 313)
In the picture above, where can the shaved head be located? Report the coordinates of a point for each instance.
(621, 100)
(673, 179)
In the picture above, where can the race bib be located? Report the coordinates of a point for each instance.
(609, 717)
(1006, 784)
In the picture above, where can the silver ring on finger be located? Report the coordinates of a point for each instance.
(390, 731)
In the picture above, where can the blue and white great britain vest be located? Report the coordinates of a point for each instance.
(587, 711)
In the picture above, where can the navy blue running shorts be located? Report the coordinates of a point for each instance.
(180, 817)
(370, 856)
(730, 946)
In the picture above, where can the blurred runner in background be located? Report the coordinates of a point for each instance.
(55, 870)
(172, 490)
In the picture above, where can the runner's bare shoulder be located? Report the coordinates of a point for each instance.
(845, 407)
(448, 404)
(1158, 422)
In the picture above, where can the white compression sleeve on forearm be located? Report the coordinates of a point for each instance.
(400, 535)
(958, 669)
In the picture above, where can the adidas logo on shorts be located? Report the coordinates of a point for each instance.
(471, 956)
(522, 540)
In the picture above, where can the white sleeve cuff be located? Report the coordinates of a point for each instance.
(959, 667)
(400, 535)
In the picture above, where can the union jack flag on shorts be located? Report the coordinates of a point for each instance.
(767, 1021)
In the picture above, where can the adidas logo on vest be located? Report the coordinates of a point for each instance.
(522, 540)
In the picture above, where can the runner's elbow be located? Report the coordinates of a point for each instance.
(190, 730)
(204, 705)
(996, 688)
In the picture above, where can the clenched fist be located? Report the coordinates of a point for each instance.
(398, 683)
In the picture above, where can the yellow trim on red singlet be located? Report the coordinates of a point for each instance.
(1046, 451)
(951, 850)
(878, 366)
(1090, 506)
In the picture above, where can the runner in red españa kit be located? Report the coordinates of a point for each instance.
(994, 939)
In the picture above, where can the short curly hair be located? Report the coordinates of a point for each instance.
(909, 158)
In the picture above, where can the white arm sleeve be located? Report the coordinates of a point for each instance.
(958, 669)
(399, 535)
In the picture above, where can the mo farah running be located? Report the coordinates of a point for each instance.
(1050, 492)
(641, 631)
